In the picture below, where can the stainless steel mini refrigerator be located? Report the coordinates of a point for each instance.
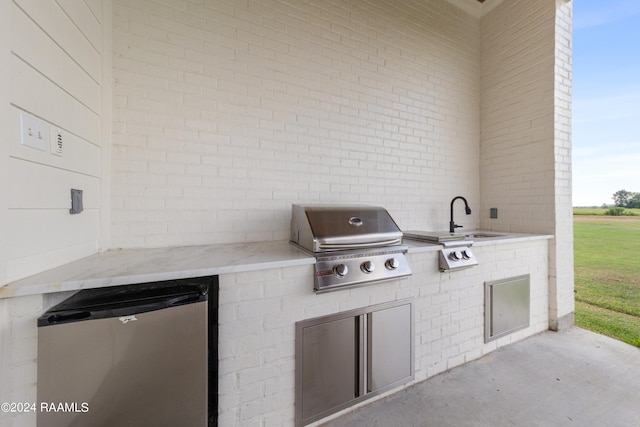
(132, 355)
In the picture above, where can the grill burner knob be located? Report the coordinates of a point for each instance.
(467, 254)
(455, 256)
(367, 266)
(341, 270)
(392, 264)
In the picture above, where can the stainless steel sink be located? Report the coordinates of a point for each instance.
(444, 236)
(481, 235)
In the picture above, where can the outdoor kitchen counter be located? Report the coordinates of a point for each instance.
(416, 246)
(131, 266)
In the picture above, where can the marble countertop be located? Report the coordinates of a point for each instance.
(131, 266)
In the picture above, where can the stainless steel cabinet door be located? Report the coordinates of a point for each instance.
(328, 366)
(348, 357)
(507, 308)
(389, 353)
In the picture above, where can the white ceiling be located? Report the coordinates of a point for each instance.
(475, 7)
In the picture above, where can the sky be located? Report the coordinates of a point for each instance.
(606, 99)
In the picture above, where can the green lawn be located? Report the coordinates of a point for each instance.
(607, 276)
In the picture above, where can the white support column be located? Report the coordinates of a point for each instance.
(561, 278)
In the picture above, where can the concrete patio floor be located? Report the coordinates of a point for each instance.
(569, 378)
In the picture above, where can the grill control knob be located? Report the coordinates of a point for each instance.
(392, 264)
(467, 254)
(341, 270)
(368, 266)
(455, 256)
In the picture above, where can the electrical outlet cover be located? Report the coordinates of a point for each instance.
(76, 202)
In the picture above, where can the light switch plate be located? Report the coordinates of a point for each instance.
(34, 132)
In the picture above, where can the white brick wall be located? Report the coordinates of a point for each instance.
(227, 112)
(258, 311)
(525, 143)
(516, 111)
(561, 298)
(18, 356)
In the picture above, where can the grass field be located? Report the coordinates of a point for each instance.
(607, 275)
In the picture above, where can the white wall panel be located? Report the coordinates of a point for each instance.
(5, 125)
(96, 8)
(32, 91)
(54, 66)
(33, 186)
(78, 155)
(41, 52)
(56, 23)
(83, 18)
(35, 232)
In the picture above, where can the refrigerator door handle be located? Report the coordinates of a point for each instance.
(68, 316)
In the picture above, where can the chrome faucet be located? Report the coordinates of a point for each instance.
(453, 225)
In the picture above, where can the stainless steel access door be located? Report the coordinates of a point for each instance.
(329, 372)
(389, 355)
(507, 306)
(151, 371)
(347, 357)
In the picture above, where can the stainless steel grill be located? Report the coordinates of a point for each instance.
(353, 245)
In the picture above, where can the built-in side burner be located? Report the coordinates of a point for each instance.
(456, 251)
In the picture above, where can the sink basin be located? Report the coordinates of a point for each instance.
(445, 236)
(481, 235)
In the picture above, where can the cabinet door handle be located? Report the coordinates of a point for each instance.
(362, 355)
(369, 352)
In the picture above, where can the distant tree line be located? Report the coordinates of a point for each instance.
(626, 199)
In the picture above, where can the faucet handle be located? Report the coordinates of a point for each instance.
(453, 226)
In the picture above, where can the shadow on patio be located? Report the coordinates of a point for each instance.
(570, 378)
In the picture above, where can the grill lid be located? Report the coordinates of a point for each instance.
(321, 228)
